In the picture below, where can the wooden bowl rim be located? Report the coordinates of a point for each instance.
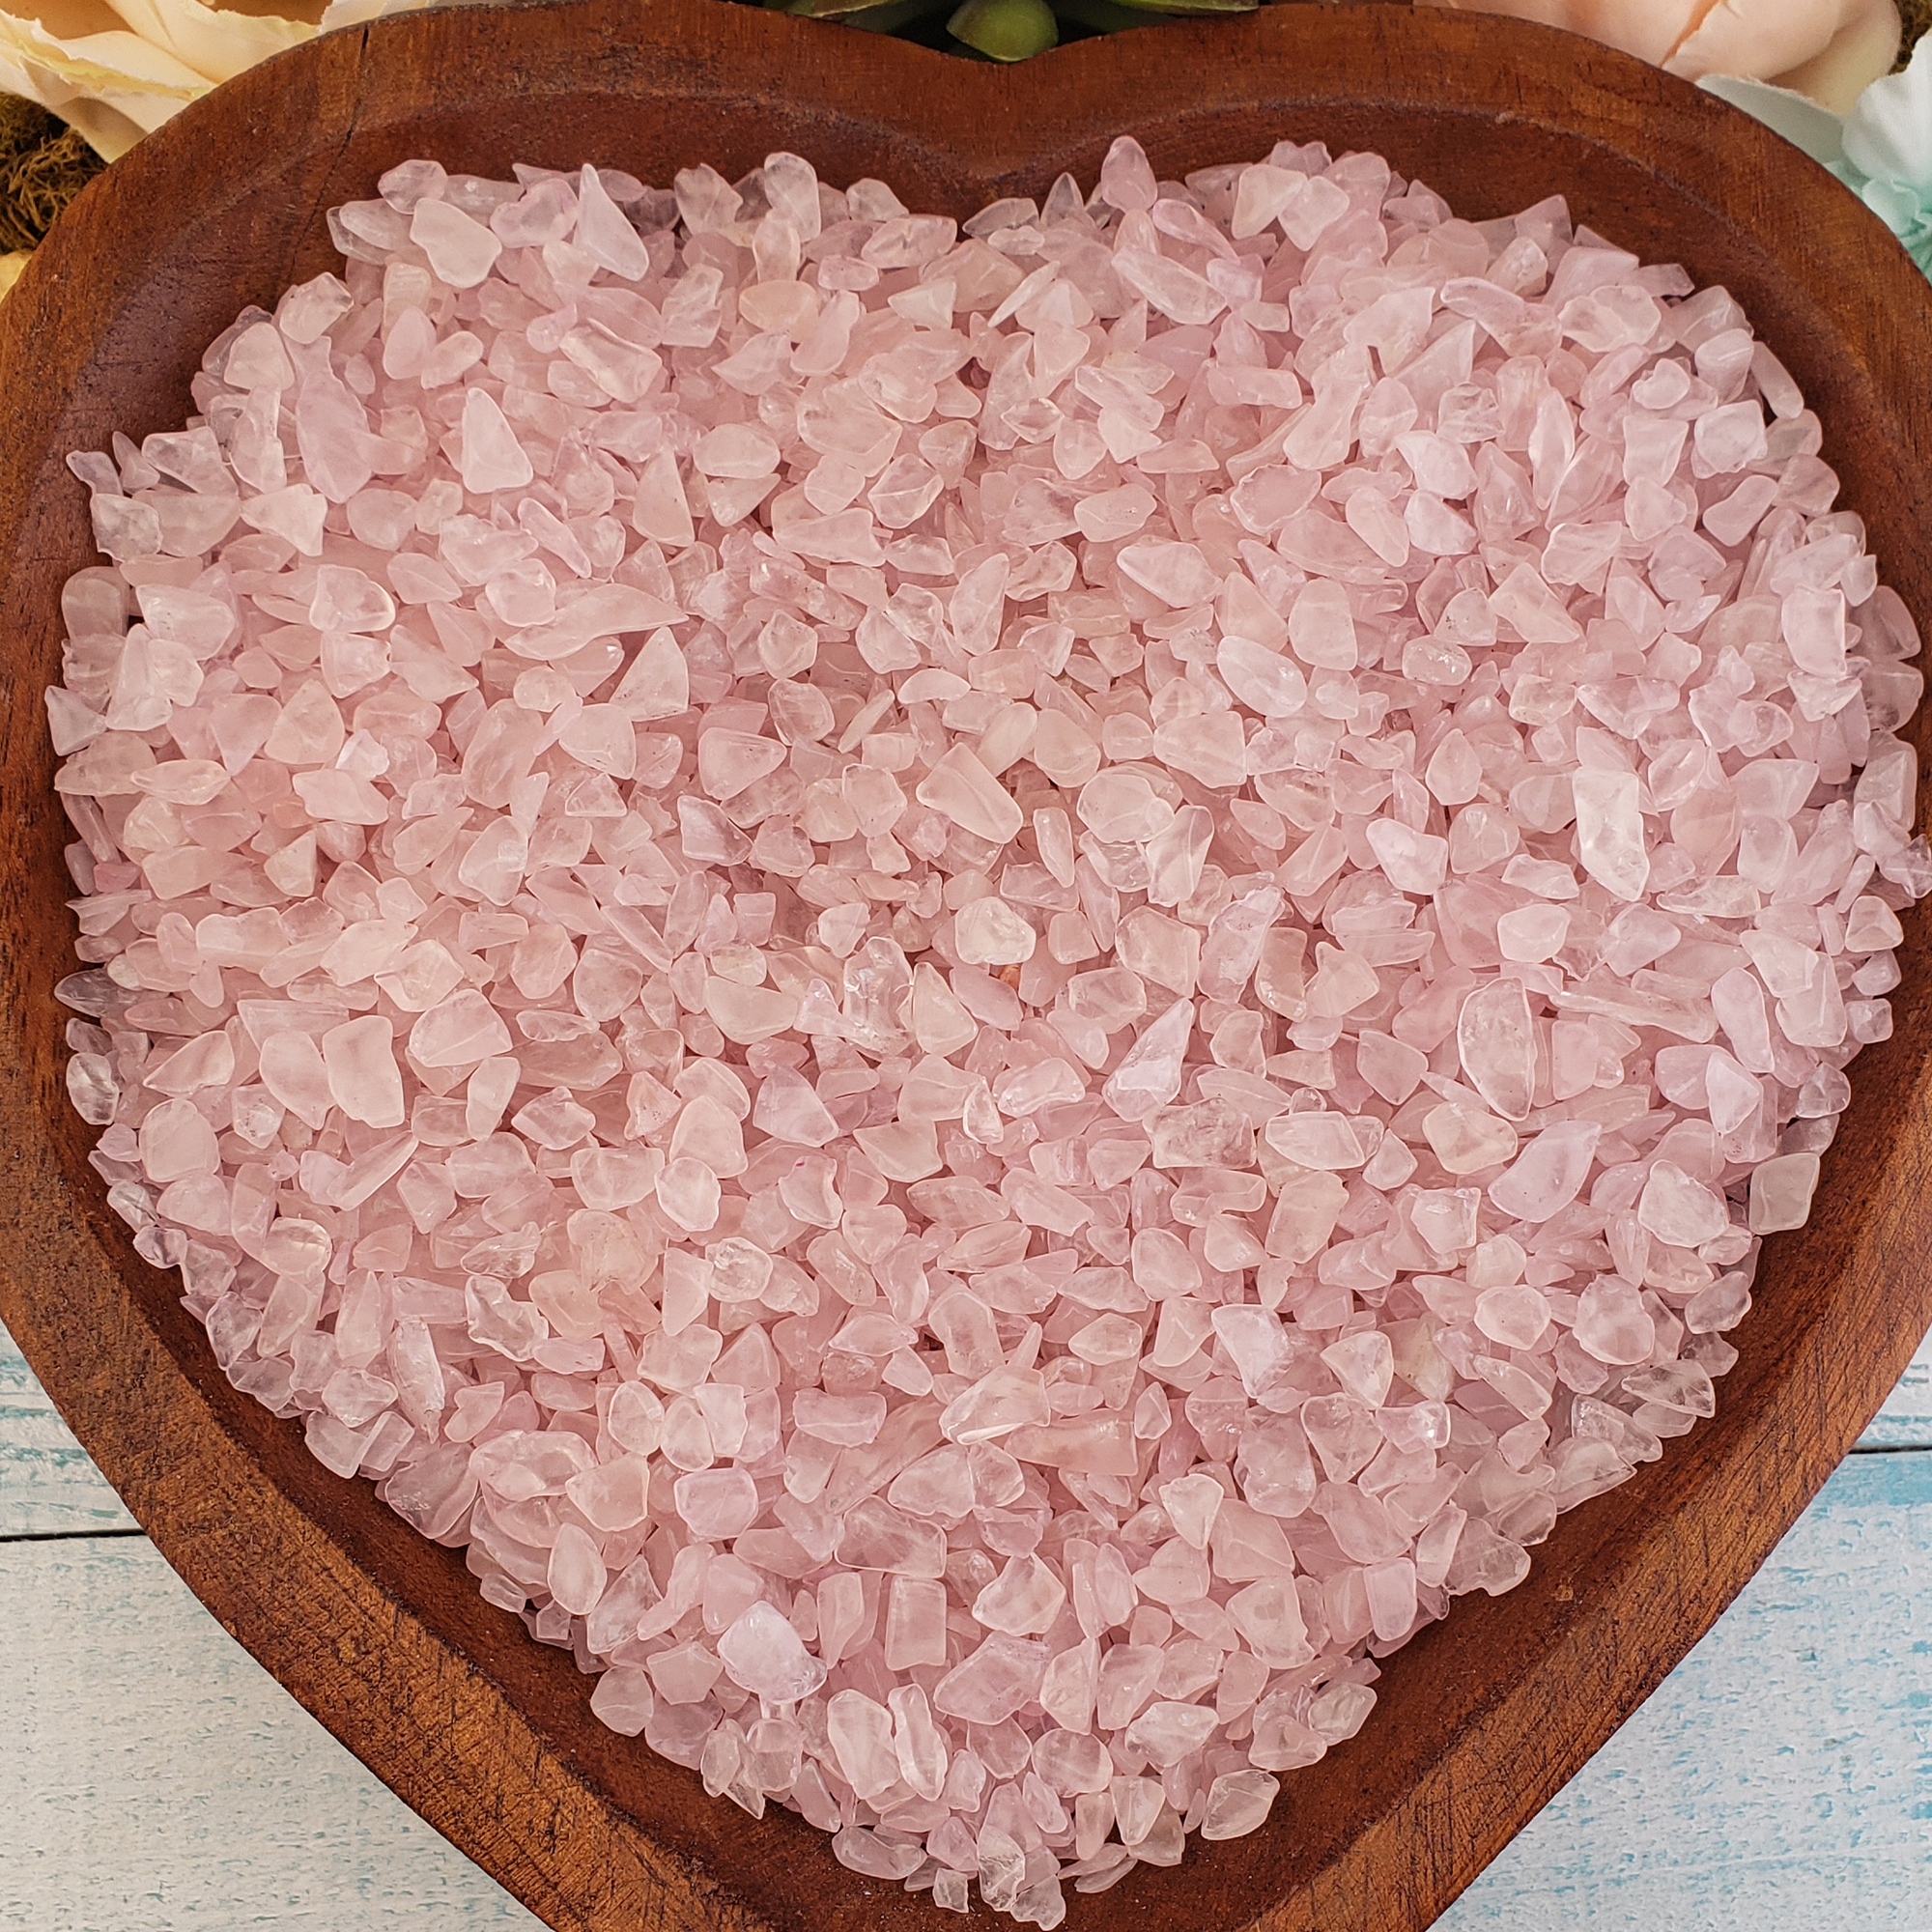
(380, 1635)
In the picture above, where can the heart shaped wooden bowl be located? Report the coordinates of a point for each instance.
(382, 1635)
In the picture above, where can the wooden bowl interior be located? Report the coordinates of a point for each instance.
(382, 1635)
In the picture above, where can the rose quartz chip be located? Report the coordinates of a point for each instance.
(763, 1653)
(987, 993)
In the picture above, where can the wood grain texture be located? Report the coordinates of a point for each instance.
(382, 1635)
(156, 1779)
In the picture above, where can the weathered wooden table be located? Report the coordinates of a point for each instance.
(154, 1778)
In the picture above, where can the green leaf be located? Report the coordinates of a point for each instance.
(1114, 16)
(1188, 6)
(869, 14)
(1006, 30)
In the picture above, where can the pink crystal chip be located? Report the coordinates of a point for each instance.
(990, 992)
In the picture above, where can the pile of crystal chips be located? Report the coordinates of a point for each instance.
(987, 992)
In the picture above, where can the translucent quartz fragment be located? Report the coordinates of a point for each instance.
(961, 787)
(1679, 1210)
(995, 1405)
(461, 249)
(461, 1030)
(1613, 1323)
(1167, 1732)
(902, 959)
(716, 1503)
(1264, 680)
(763, 1653)
(1609, 830)
(1780, 1192)
(1550, 1171)
(1238, 1803)
(1122, 808)
(1023, 1600)
(1126, 181)
(989, 933)
(493, 459)
(998, 1678)
(1150, 1076)
(1495, 1040)
(362, 1073)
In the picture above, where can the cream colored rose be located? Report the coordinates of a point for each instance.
(1829, 50)
(117, 69)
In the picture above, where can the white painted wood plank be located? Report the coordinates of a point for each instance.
(1782, 1777)
(47, 1485)
(155, 1778)
(1905, 1422)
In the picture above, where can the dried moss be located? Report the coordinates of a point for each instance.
(1918, 18)
(43, 167)
(24, 125)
